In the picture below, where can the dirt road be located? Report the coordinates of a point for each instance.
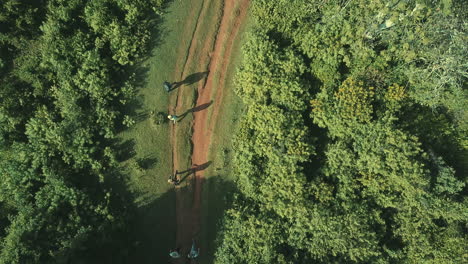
(210, 55)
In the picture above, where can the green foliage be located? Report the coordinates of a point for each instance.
(446, 182)
(128, 121)
(273, 134)
(159, 118)
(372, 170)
(64, 82)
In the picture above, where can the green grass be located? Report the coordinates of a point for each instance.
(154, 224)
(149, 158)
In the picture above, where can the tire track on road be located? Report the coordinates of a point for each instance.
(202, 130)
(215, 57)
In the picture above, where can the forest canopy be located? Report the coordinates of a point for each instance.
(64, 78)
(353, 145)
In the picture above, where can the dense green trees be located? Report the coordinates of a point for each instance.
(63, 85)
(352, 148)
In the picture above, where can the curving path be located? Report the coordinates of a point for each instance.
(207, 54)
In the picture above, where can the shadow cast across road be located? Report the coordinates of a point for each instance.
(191, 79)
(195, 168)
(153, 226)
(196, 109)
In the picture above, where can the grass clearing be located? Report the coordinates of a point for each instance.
(149, 160)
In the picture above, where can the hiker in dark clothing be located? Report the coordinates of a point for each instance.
(173, 118)
(167, 86)
(174, 253)
(174, 179)
(194, 252)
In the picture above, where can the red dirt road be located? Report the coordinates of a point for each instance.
(202, 129)
(215, 58)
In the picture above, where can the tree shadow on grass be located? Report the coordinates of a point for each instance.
(125, 150)
(145, 227)
(151, 226)
(141, 116)
(147, 163)
(152, 230)
(217, 196)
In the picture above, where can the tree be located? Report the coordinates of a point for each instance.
(63, 86)
(380, 186)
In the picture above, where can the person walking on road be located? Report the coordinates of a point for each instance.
(173, 118)
(193, 251)
(174, 179)
(174, 253)
(167, 86)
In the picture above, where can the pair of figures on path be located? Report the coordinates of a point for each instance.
(194, 252)
(192, 78)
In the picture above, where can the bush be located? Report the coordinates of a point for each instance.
(159, 118)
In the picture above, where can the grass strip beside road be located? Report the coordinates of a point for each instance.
(148, 159)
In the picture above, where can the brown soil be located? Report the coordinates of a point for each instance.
(216, 53)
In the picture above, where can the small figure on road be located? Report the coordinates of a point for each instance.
(167, 86)
(173, 118)
(174, 253)
(193, 251)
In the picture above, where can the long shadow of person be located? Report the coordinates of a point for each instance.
(200, 107)
(202, 166)
(194, 169)
(191, 79)
(196, 109)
